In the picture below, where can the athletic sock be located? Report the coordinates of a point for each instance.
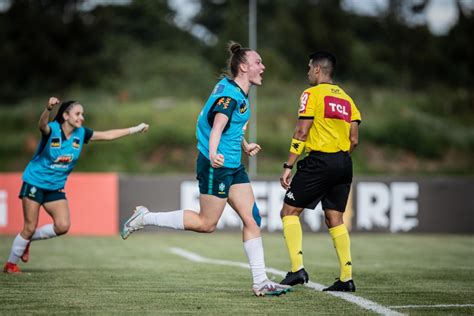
(294, 241)
(174, 219)
(254, 251)
(18, 248)
(44, 232)
(342, 243)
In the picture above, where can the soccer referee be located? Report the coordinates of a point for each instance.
(327, 129)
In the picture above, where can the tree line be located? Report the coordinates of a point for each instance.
(51, 45)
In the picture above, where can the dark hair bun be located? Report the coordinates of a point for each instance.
(234, 47)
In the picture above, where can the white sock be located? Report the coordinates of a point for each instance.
(44, 232)
(254, 250)
(174, 219)
(18, 248)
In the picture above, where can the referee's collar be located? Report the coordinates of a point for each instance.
(330, 83)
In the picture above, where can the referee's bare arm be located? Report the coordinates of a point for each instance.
(354, 135)
(301, 133)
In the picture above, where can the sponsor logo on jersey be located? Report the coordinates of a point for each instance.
(76, 143)
(225, 101)
(243, 107)
(304, 102)
(337, 108)
(55, 142)
(64, 159)
(62, 162)
(335, 91)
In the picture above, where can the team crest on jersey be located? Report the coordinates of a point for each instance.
(243, 107)
(76, 143)
(55, 142)
(32, 192)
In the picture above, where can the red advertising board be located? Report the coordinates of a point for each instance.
(93, 203)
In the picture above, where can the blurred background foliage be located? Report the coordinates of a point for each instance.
(132, 62)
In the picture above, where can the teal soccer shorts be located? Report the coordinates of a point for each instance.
(217, 181)
(41, 195)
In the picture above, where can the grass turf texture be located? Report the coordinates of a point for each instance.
(140, 275)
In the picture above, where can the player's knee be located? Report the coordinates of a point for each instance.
(205, 226)
(289, 211)
(250, 223)
(333, 219)
(208, 228)
(61, 228)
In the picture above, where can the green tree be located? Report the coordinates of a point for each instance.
(47, 45)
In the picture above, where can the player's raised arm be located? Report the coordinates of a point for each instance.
(44, 118)
(118, 133)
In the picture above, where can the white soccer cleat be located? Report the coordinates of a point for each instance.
(135, 222)
(268, 287)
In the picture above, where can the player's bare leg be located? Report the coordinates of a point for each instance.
(242, 200)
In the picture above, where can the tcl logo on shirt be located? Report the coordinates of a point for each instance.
(304, 102)
(336, 108)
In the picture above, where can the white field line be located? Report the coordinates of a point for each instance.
(362, 302)
(434, 306)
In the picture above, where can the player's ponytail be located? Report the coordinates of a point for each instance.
(65, 107)
(237, 56)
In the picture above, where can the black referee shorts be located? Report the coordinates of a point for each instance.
(325, 177)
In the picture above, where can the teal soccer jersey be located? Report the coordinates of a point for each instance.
(226, 98)
(55, 157)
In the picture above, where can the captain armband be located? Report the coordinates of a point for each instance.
(297, 146)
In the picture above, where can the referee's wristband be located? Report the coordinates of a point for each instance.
(297, 146)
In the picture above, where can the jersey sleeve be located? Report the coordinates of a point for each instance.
(307, 105)
(355, 117)
(224, 105)
(87, 134)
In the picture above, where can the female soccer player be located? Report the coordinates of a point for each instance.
(220, 172)
(45, 176)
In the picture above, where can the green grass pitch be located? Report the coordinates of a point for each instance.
(406, 273)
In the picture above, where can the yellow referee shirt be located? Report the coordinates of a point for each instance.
(332, 111)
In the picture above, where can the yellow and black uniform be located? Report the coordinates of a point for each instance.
(325, 174)
(332, 111)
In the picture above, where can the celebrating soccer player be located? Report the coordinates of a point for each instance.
(220, 172)
(45, 176)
